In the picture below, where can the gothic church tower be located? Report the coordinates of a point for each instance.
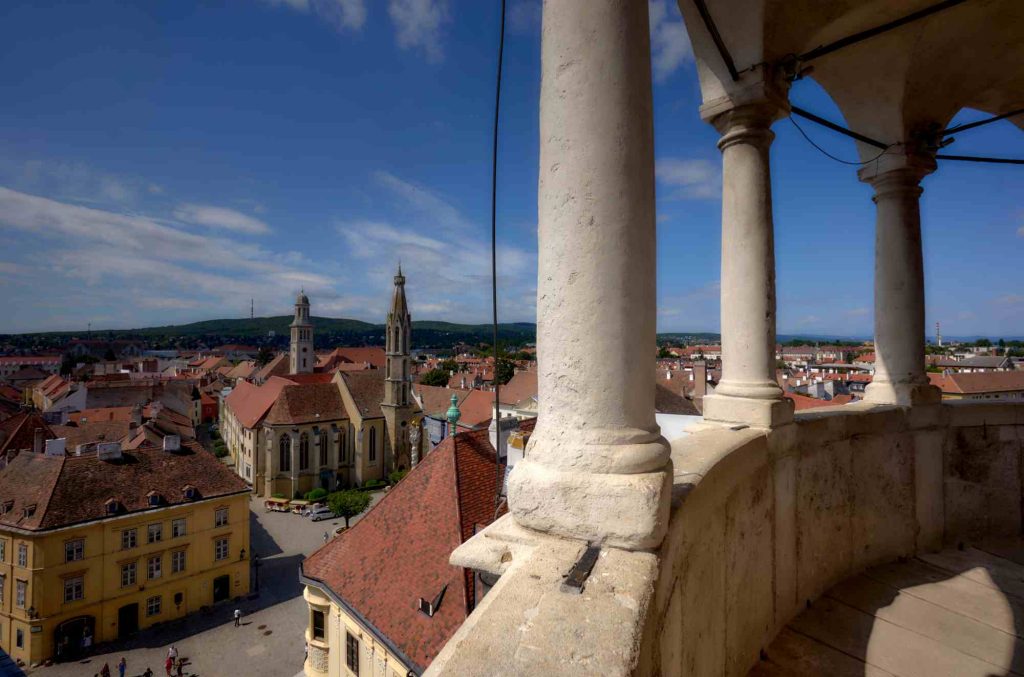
(301, 358)
(397, 404)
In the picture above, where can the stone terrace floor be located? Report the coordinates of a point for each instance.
(957, 612)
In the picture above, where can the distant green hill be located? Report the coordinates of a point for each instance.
(274, 331)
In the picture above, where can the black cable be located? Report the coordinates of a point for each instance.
(494, 258)
(821, 51)
(974, 158)
(979, 123)
(716, 37)
(838, 128)
(829, 155)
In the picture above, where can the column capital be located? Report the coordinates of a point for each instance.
(759, 102)
(897, 171)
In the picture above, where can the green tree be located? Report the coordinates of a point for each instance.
(505, 371)
(663, 353)
(316, 494)
(983, 343)
(449, 366)
(348, 503)
(434, 377)
(109, 356)
(264, 356)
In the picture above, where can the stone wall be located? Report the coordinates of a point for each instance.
(763, 524)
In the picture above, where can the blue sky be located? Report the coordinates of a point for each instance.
(167, 161)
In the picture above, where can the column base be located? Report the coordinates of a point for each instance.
(624, 511)
(902, 394)
(755, 413)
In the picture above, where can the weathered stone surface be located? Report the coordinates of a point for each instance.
(882, 518)
(824, 501)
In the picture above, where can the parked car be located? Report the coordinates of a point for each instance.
(321, 512)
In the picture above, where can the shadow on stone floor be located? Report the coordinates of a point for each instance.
(948, 608)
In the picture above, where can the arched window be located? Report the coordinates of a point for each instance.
(285, 454)
(323, 448)
(303, 451)
(373, 445)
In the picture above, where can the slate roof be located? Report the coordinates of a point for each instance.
(70, 490)
(367, 390)
(450, 493)
(301, 403)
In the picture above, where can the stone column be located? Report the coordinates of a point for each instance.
(748, 392)
(597, 467)
(900, 376)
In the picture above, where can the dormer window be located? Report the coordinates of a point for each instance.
(154, 499)
(6, 507)
(29, 510)
(191, 493)
(113, 506)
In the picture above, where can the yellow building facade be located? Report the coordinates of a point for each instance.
(67, 586)
(341, 646)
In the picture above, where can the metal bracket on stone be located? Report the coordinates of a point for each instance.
(580, 571)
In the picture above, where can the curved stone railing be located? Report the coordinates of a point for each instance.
(762, 522)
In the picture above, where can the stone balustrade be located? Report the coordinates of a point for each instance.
(762, 522)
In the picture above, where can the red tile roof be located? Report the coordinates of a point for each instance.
(70, 490)
(374, 355)
(18, 432)
(979, 382)
(310, 403)
(250, 403)
(384, 564)
(522, 386)
(802, 402)
(367, 390)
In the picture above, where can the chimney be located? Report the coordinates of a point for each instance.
(37, 440)
(700, 379)
(55, 447)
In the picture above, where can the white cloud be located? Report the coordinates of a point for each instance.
(220, 217)
(418, 25)
(441, 213)
(670, 43)
(1020, 231)
(342, 15)
(690, 178)
(696, 309)
(857, 312)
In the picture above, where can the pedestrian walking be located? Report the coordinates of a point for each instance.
(172, 653)
(122, 665)
(325, 537)
(181, 666)
(147, 673)
(238, 617)
(169, 665)
(105, 672)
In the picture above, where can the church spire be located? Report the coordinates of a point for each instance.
(397, 404)
(301, 359)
